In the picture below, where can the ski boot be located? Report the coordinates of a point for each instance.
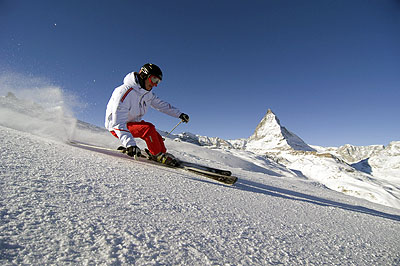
(121, 149)
(164, 158)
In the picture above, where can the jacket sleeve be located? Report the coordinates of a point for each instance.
(165, 107)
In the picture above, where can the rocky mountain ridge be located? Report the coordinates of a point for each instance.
(270, 137)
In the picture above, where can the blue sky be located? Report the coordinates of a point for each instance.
(329, 69)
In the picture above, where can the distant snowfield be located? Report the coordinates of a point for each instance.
(68, 206)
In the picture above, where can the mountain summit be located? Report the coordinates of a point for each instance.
(270, 135)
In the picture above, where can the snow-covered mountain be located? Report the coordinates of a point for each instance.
(270, 135)
(370, 172)
(332, 168)
(353, 154)
(61, 205)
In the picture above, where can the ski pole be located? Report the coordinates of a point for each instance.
(173, 129)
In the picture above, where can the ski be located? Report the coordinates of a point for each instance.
(220, 175)
(206, 168)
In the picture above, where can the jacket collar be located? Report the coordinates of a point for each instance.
(132, 80)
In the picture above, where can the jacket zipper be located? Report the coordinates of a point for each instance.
(141, 99)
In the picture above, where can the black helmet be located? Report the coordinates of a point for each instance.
(150, 69)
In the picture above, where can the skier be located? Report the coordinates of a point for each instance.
(128, 104)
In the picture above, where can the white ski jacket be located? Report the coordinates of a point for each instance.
(128, 103)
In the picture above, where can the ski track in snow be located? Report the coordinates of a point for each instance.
(68, 206)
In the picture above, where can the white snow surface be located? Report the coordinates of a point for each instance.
(61, 205)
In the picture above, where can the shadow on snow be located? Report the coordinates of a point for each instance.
(252, 186)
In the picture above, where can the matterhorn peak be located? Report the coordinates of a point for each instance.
(270, 123)
(270, 135)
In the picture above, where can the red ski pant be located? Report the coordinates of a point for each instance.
(147, 131)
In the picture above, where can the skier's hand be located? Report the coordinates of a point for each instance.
(133, 150)
(184, 118)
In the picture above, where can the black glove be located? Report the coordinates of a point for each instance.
(133, 150)
(184, 118)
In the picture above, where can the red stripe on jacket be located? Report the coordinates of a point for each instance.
(126, 94)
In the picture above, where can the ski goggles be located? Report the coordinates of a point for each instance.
(154, 80)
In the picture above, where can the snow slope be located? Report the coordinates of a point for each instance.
(68, 206)
(63, 205)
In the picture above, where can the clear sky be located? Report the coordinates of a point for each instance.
(329, 69)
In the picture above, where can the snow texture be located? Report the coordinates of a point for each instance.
(61, 205)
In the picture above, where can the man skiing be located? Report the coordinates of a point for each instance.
(129, 103)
